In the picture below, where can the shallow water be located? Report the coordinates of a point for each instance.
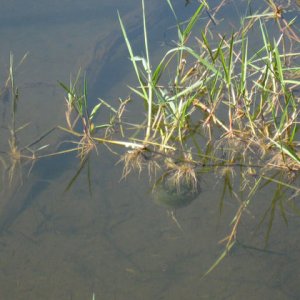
(115, 242)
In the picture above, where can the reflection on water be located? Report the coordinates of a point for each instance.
(116, 242)
(175, 190)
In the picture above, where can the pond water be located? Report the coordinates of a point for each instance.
(112, 241)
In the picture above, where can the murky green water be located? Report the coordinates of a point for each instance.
(115, 242)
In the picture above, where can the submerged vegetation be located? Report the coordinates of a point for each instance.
(232, 106)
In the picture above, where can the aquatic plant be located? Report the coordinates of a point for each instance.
(15, 156)
(227, 107)
(257, 91)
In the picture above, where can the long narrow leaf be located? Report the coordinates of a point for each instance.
(132, 56)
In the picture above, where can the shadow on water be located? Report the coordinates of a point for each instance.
(107, 67)
(26, 194)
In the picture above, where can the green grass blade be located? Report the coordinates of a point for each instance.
(180, 34)
(132, 56)
(192, 22)
(290, 152)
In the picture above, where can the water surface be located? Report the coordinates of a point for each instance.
(115, 242)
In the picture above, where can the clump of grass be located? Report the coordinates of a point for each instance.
(255, 90)
(134, 160)
(15, 156)
(227, 105)
(12, 159)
